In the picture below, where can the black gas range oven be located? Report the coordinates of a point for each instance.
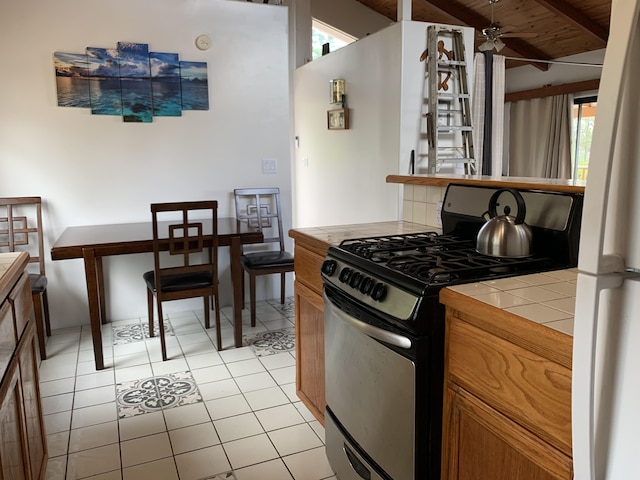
(384, 326)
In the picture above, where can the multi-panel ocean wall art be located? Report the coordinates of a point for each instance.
(131, 81)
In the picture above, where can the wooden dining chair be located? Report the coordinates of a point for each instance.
(190, 269)
(21, 230)
(260, 208)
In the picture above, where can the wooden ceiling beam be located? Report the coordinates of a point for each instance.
(577, 18)
(459, 14)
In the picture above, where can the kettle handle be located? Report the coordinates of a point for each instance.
(522, 208)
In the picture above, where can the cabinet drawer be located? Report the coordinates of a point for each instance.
(307, 267)
(7, 337)
(22, 303)
(532, 391)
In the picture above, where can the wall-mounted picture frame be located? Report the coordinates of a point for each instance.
(338, 119)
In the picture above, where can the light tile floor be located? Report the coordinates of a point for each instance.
(202, 414)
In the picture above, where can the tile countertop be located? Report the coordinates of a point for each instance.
(547, 298)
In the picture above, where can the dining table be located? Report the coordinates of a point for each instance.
(94, 242)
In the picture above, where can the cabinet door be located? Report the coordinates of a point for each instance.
(13, 442)
(481, 444)
(310, 350)
(32, 404)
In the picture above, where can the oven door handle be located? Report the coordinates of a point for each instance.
(373, 332)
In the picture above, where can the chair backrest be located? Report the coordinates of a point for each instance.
(189, 232)
(21, 228)
(260, 208)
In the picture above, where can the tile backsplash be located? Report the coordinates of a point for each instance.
(422, 204)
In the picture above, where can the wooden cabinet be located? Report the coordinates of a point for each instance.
(310, 326)
(507, 400)
(23, 448)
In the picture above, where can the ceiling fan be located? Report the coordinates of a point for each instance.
(494, 33)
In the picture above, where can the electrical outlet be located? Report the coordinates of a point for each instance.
(269, 165)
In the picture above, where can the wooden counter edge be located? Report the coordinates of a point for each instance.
(10, 277)
(535, 337)
(310, 242)
(518, 183)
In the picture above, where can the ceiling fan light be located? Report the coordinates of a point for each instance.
(499, 44)
(486, 46)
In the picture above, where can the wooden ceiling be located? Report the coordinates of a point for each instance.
(562, 27)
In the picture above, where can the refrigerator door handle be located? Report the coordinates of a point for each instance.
(586, 457)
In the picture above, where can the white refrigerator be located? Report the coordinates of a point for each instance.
(606, 342)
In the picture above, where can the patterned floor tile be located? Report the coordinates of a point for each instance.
(287, 308)
(222, 476)
(136, 332)
(272, 342)
(156, 393)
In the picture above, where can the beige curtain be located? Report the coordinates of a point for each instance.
(540, 137)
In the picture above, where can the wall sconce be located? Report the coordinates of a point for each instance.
(337, 91)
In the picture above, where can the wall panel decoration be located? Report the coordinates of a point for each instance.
(131, 82)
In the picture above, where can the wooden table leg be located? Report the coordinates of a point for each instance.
(91, 274)
(236, 283)
(101, 296)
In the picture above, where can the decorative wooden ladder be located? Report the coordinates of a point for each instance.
(446, 123)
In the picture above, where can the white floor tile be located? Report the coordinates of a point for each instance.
(57, 422)
(279, 417)
(58, 443)
(138, 372)
(145, 449)
(93, 462)
(240, 426)
(170, 366)
(219, 389)
(290, 391)
(198, 348)
(272, 470)
(95, 396)
(237, 354)
(164, 469)
(194, 437)
(131, 360)
(209, 359)
(210, 374)
(284, 375)
(57, 387)
(185, 416)
(279, 360)
(309, 465)
(294, 439)
(129, 349)
(266, 398)
(202, 463)
(256, 381)
(93, 436)
(318, 428)
(57, 403)
(56, 468)
(84, 417)
(227, 407)
(245, 367)
(142, 425)
(249, 451)
(93, 380)
(304, 411)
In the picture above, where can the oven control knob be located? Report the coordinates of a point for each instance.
(329, 267)
(355, 280)
(367, 285)
(379, 292)
(345, 275)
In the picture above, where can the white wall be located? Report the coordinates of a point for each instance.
(93, 169)
(339, 175)
(349, 16)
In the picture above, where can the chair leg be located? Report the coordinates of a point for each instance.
(150, 307)
(163, 345)
(37, 308)
(282, 280)
(252, 295)
(242, 287)
(45, 309)
(217, 313)
(207, 321)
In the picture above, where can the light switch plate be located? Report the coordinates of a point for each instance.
(269, 165)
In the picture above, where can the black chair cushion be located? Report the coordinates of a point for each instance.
(173, 283)
(266, 259)
(38, 283)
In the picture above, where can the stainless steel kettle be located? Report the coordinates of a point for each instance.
(503, 235)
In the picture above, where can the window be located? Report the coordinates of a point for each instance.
(322, 33)
(584, 114)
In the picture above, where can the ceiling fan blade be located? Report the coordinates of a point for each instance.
(518, 35)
